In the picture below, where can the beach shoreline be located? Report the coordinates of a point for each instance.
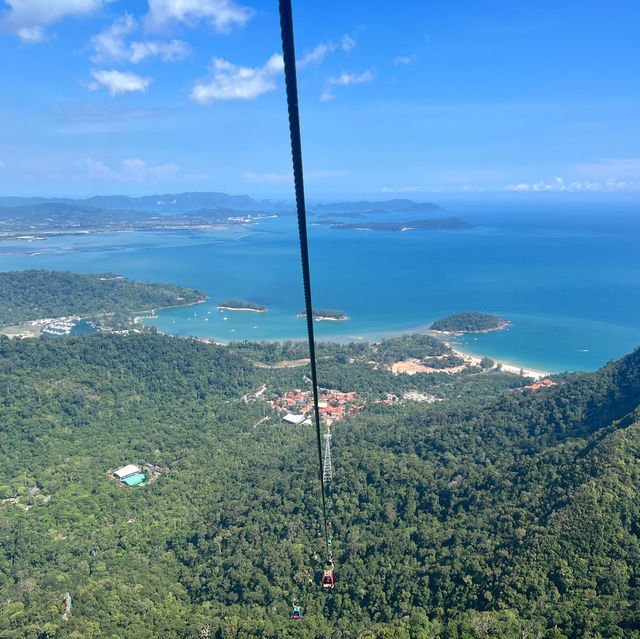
(470, 358)
(253, 310)
(507, 367)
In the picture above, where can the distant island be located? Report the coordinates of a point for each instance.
(469, 323)
(239, 305)
(434, 224)
(320, 314)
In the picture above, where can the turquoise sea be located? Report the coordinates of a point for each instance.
(566, 275)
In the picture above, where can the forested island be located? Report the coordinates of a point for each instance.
(496, 511)
(37, 294)
(320, 314)
(239, 305)
(473, 322)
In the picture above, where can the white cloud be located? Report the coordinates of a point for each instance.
(131, 170)
(558, 185)
(99, 171)
(320, 52)
(327, 95)
(268, 177)
(119, 81)
(167, 51)
(347, 42)
(26, 18)
(222, 14)
(138, 171)
(315, 56)
(110, 45)
(345, 79)
(232, 82)
(404, 59)
(402, 189)
(287, 177)
(31, 35)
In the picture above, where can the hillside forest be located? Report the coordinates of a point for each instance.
(490, 511)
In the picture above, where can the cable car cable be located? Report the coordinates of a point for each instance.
(289, 57)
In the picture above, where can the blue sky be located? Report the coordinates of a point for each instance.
(397, 99)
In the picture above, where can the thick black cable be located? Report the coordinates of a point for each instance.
(289, 56)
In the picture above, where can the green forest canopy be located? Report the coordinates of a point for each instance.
(489, 514)
(37, 294)
(239, 304)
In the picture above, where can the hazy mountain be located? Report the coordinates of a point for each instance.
(386, 206)
(179, 202)
(166, 202)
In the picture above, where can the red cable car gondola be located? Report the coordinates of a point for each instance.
(327, 579)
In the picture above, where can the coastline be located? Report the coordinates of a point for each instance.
(138, 315)
(508, 367)
(252, 310)
(443, 334)
(470, 358)
(322, 318)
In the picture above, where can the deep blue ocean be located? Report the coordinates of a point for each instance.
(566, 275)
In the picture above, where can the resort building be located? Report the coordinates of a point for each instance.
(126, 471)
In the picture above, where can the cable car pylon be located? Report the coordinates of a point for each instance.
(327, 470)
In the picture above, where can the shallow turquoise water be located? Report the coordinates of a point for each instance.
(568, 277)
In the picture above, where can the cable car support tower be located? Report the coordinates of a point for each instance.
(327, 471)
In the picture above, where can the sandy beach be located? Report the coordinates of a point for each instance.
(242, 308)
(506, 366)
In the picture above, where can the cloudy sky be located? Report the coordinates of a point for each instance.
(143, 96)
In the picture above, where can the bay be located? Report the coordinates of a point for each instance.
(566, 275)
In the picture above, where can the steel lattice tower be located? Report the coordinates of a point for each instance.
(327, 473)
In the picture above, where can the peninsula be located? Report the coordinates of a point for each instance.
(322, 314)
(469, 323)
(239, 305)
(38, 295)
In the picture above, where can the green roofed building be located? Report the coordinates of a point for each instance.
(134, 480)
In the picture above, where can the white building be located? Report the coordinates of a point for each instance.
(293, 419)
(125, 471)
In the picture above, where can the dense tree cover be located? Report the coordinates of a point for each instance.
(240, 304)
(287, 350)
(362, 367)
(508, 514)
(415, 346)
(36, 294)
(468, 323)
(385, 351)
